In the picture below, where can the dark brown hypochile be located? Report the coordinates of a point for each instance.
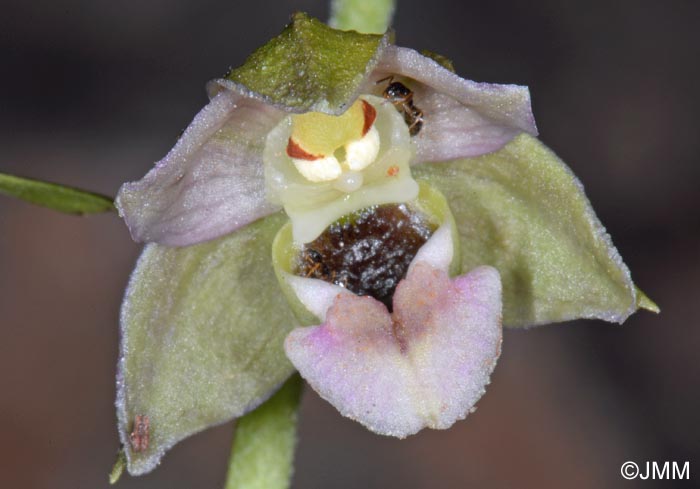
(367, 252)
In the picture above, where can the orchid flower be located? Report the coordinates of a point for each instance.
(358, 212)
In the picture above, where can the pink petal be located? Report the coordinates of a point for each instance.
(425, 365)
(210, 183)
(461, 118)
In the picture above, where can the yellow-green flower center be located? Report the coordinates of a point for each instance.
(321, 167)
(324, 147)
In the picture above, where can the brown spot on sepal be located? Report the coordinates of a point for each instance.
(140, 433)
(392, 171)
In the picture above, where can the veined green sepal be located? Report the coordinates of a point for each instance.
(210, 317)
(307, 67)
(523, 211)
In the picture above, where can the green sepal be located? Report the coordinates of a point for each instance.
(284, 252)
(523, 211)
(202, 337)
(54, 196)
(308, 67)
(262, 455)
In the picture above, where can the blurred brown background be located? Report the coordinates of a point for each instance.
(92, 92)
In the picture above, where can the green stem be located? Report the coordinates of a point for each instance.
(366, 16)
(54, 196)
(263, 446)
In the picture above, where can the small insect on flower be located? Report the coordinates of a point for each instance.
(312, 264)
(402, 97)
(139, 435)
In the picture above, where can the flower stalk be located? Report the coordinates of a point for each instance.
(366, 16)
(262, 455)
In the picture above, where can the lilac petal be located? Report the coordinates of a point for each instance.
(425, 365)
(461, 118)
(210, 183)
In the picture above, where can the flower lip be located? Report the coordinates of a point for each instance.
(311, 297)
(438, 252)
(368, 252)
(424, 365)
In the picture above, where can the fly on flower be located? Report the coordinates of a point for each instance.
(302, 222)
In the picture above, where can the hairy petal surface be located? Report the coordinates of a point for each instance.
(524, 212)
(211, 182)
(202, 335)
(461, 118)
(424, 366)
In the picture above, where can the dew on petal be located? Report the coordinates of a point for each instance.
(349, 182)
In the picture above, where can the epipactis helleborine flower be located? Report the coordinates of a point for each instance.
(408, 212)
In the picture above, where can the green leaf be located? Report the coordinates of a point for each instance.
(310, 67)
(263, 447)
(523, 211)
(202, 337)
(57, 197)
(368, 16)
